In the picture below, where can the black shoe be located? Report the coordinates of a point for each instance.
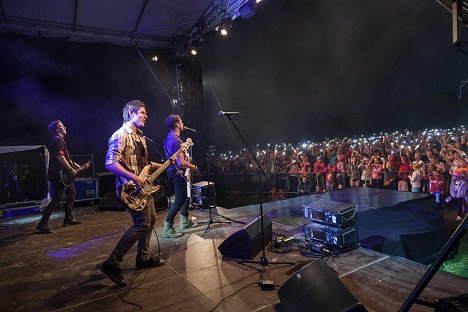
(150, 263)
(71, 221)
(113, 272)
(43, 229)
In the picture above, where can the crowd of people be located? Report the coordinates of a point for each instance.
(430, 161)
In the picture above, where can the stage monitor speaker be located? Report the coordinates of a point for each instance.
(316, 287)
(247, 243)
(110, 202)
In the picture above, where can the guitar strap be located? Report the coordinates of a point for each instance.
(68, 156)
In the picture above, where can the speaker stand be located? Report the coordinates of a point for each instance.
(434, 267)
(264, 284)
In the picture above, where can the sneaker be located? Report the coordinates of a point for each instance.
(113, 272)
(150, 263)
(72, 221)
(43, 228)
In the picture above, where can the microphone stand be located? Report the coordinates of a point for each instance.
(264, 284)
(211, 220)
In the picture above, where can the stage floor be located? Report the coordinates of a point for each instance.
(59, 271)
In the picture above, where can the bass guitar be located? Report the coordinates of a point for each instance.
(67, 179)
(136, 197)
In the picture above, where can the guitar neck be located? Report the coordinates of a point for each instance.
(167, 163)
(158, 171)
(81, 167)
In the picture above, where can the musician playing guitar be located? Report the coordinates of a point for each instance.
(126, 156)
(177, 179)
(60, 160)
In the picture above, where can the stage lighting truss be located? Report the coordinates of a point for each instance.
(218, 14)
(459, 10)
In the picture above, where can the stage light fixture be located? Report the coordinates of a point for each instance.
(154, 58)
(224, 27)
(193, 51)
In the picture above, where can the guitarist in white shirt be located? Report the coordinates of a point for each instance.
(176, 177)
(59, 160)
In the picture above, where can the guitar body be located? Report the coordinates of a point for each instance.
(66, 179)
(134, 197)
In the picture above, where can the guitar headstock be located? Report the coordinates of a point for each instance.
(185, 146)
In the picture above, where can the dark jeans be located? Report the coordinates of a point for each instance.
(143, 222)
(320, 182)
(377, 183)
(457, 203)
(56, 192)
(181, 200)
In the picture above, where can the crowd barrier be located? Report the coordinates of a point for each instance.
(287, 183)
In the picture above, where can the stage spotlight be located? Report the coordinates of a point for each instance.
(193, 51)
(224, 27)
(154, 58)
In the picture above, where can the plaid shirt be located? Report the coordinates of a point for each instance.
(122, 150)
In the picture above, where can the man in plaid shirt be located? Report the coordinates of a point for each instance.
(126, 156)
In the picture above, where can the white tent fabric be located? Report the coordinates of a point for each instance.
(142, 23)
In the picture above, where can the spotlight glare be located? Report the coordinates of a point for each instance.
(154, 58)
(223, 32)
(193, 52)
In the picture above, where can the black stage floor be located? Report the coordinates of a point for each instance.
(58, 272)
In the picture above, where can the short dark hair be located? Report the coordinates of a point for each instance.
(171, 121)
(131, 107)
(53, 126)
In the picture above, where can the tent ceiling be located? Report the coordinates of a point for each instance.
(142, 23)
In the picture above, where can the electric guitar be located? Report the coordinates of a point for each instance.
(135, 197)
(67, 179)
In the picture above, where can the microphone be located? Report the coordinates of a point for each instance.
(148, 139)
(189, 129)
(221, 113)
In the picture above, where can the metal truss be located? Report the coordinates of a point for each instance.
(462, 5)
(214, 15)
(82, 34)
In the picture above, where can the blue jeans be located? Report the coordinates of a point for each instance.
(437, 196)
(181, 200)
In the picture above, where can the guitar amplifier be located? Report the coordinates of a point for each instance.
(331, 213)
(203, 200)
(204, 188)
(341, 237)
